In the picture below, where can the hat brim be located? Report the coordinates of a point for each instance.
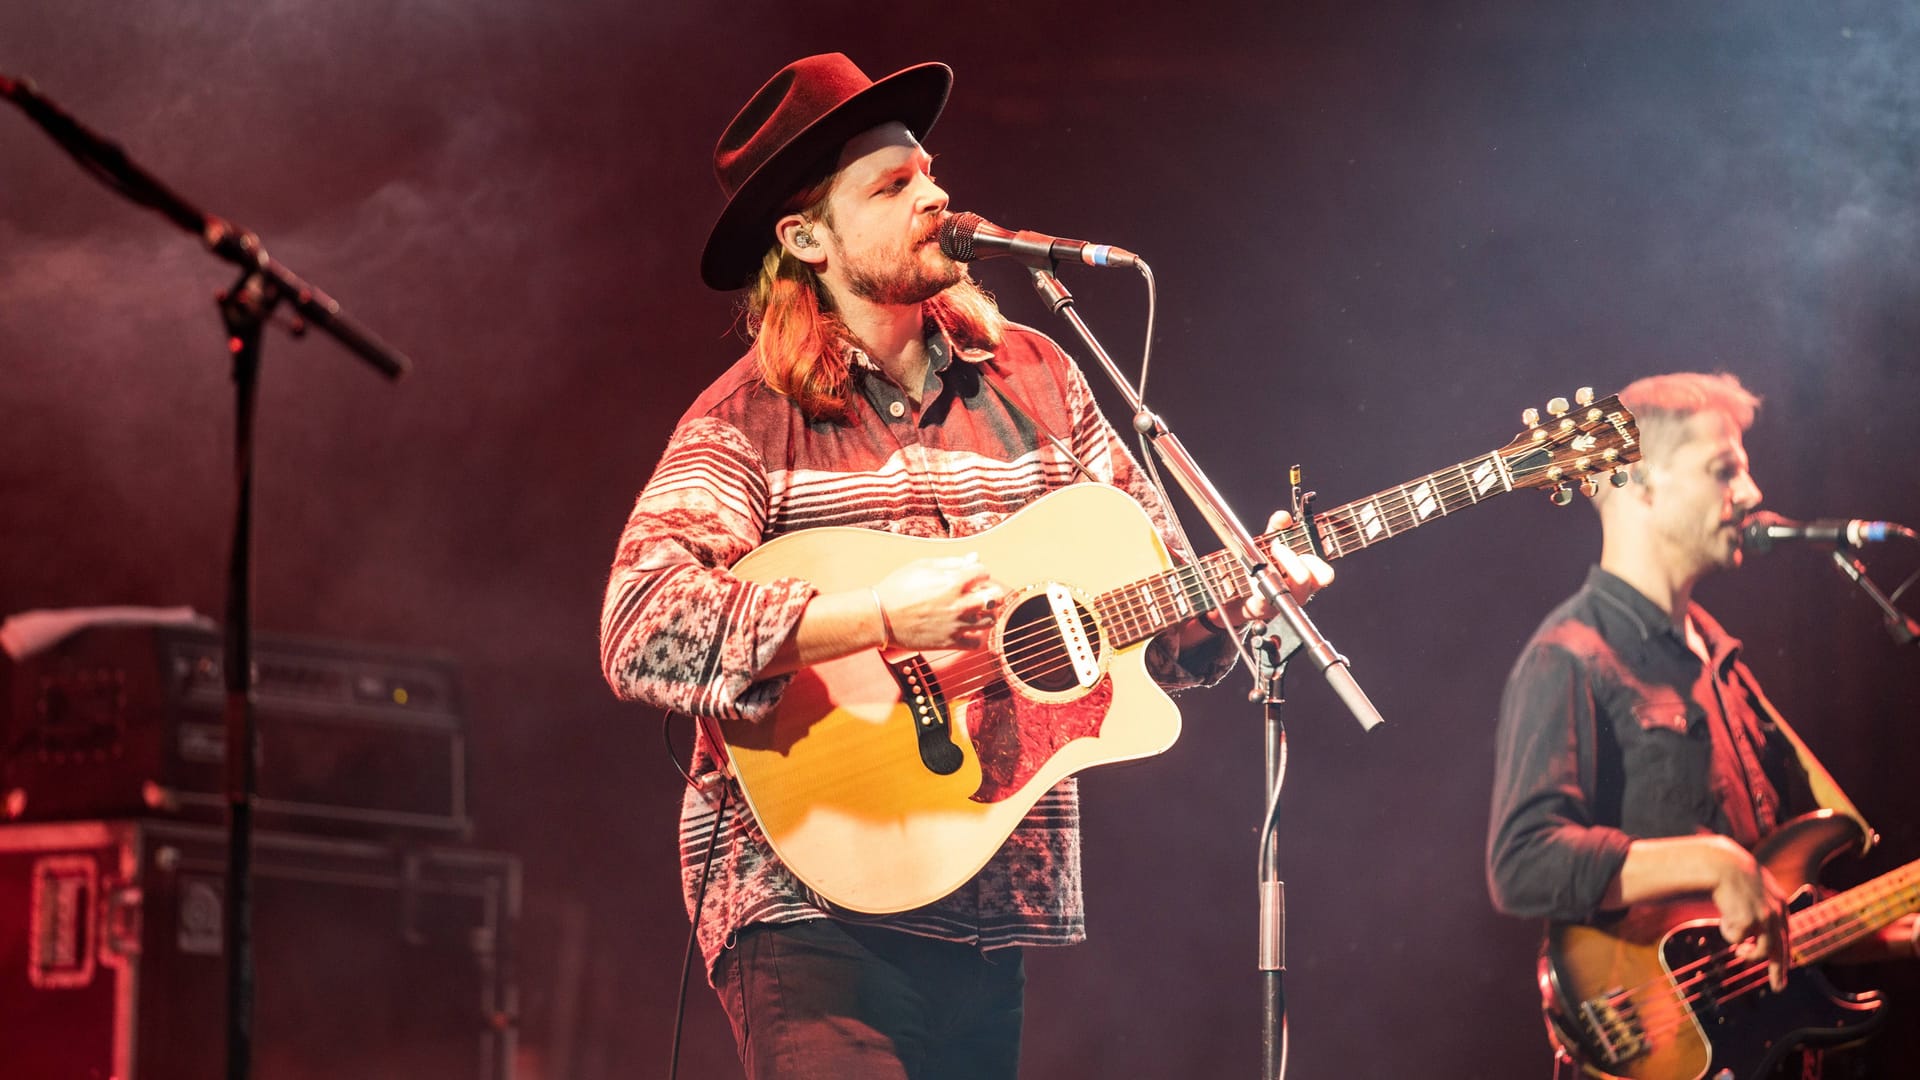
(740, 238)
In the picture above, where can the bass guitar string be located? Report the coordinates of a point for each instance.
(1818, 935)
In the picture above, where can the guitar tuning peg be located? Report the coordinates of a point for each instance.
(1558, 406)
(1589, 487)
(1562, 495)
(1530, 417)
(1583, 396)
(1618, 478)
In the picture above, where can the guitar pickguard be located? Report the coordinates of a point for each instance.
(1014, 736)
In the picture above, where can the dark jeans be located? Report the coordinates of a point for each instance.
(826, 1000)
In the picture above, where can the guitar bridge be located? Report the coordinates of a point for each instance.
(932, 722)
(1613, 1025)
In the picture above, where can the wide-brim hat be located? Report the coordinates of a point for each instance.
(803, 114)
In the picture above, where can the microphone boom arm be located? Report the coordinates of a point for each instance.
(1901, 626)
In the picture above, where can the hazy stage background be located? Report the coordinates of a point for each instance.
(1380, 231)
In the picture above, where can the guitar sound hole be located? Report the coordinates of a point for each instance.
(1034, 650)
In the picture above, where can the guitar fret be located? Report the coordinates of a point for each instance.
(1413, 518)
(1342, 521)
(1424, 500)
(1466, 484)
(1145, 594)
(1373, 524)
(1500, 466)
(1329, 541)
(1490, 475)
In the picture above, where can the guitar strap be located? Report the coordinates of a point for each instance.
(1826, 790)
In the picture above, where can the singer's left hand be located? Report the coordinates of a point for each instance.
(1304, 574)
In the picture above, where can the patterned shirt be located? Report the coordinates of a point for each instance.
(744, 466)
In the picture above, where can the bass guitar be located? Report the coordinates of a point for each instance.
(886, 779)
(1660, 996)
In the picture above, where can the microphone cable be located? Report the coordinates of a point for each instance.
(700, 894)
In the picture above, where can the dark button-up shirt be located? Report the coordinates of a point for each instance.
(1613, 729)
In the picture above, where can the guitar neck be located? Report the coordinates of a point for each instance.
(1839, 921)
(1138, 611)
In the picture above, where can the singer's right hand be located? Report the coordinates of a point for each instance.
(944, 603)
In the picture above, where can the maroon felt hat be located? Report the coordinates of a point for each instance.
(805, 113)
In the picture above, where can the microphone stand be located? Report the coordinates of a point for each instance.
(244, 309)
(1903, 628)
(1271, 647)
(1240, 544)
(1291, 627)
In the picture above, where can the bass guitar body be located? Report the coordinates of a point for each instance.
(1659, 995)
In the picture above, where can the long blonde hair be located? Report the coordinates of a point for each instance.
(801, 341)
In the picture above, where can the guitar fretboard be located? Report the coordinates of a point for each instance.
(1138, 611)
(1839, 921)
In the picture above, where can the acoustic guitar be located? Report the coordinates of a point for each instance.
(886, 779)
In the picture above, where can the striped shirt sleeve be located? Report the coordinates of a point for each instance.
(677, 630)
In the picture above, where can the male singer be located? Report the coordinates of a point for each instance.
(1637, 758)
(884, 390)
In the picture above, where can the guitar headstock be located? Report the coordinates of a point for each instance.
(1573, 446)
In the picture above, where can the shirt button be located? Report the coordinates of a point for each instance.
(897, 410)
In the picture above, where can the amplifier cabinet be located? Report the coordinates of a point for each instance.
(128, 721)
(371, 961)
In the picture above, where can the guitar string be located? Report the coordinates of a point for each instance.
(1123, 605)
(1833, 934)
(1447, 486)
(1128, 608)
(1829, 935)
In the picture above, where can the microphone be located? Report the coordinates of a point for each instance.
(965, 237)
(1763, 530)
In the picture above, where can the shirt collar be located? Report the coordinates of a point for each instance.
(940, 348)
(941, 351)
(1653, 621)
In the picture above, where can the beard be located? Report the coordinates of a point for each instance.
(904, 281)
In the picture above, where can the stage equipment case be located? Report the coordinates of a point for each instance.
(128, 721)
(371, 961)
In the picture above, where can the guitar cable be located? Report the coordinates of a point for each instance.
(700, 894)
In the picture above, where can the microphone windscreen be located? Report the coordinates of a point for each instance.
(1754, 532)
(956, 236)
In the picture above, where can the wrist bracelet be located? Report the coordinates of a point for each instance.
(886, 628)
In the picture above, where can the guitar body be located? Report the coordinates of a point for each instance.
(882, 803)
(1657, 997)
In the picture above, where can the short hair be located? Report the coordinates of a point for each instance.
(1662, 405)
